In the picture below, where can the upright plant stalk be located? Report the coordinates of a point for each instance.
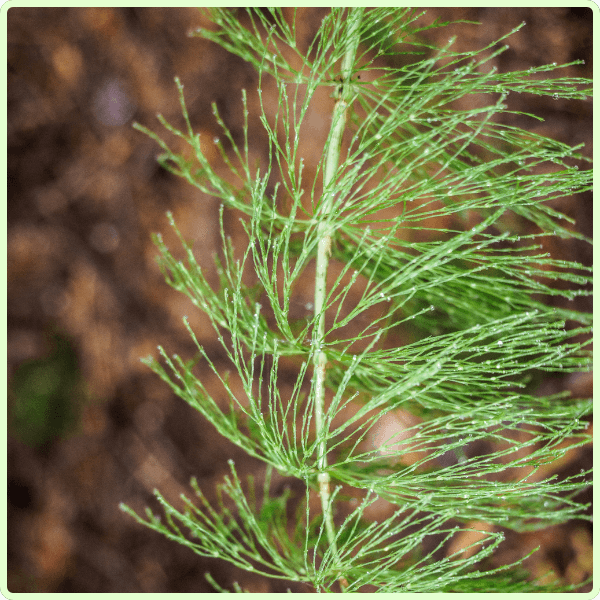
(473, 301)
(343, 95)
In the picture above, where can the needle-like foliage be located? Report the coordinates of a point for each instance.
(422, 206)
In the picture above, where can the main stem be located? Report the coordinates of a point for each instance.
(323, 251)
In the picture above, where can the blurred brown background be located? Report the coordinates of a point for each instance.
(89, 425)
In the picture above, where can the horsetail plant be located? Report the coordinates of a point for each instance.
(414, 221)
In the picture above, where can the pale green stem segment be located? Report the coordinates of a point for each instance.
(344, 97)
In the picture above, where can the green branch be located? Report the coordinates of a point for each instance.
(446, 422)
